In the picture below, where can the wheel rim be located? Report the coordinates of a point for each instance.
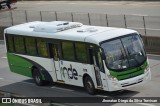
(37, 78)
(89, 86)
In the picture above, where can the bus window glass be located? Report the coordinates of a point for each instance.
(134, 50)
(81, 52)
(19, 44)
(42, 47)
(115, 54)
(55, 52)
(30, 46)
(100, 64)
(10, 44)
(68, 51)
(125, 52)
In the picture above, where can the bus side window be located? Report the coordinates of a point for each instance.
(96, 59)
(91, 56)
(68, 51)
(10, 43)
(42, 47)
(99, 61)
(55, 51)
(19, 44)
(30, 46)
(81, 53)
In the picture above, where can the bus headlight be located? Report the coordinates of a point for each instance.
(112, 78)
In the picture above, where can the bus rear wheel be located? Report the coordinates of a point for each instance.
(37, 77)
(89, 85)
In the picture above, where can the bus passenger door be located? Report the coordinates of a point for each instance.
(99, 70)
(55, 54)
(94, 61)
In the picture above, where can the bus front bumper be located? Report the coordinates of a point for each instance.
(119, 85)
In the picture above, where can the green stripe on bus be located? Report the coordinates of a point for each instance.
(19, 65)
(129, 73)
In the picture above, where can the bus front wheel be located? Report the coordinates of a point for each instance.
(89, 85)
(37, 77)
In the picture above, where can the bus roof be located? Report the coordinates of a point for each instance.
(73, 31)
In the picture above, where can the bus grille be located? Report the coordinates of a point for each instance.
(130, 75)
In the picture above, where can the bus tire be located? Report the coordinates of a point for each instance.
(37, 77)
(89, 85)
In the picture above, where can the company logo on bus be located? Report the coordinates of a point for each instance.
(71, 72)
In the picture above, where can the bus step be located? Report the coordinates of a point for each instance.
(99, 87)
(60, 81)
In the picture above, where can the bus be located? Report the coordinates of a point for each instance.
(93, 57)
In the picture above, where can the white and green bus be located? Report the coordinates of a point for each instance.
(94, 57)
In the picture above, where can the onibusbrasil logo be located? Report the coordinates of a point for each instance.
(21, 100)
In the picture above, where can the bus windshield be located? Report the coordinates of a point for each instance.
(124, 52)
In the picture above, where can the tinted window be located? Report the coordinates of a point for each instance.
(30, 46)
(99, 62)
(19, 44)
(42, 47)
(68, 51)
(10, 44)
(81, 52)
